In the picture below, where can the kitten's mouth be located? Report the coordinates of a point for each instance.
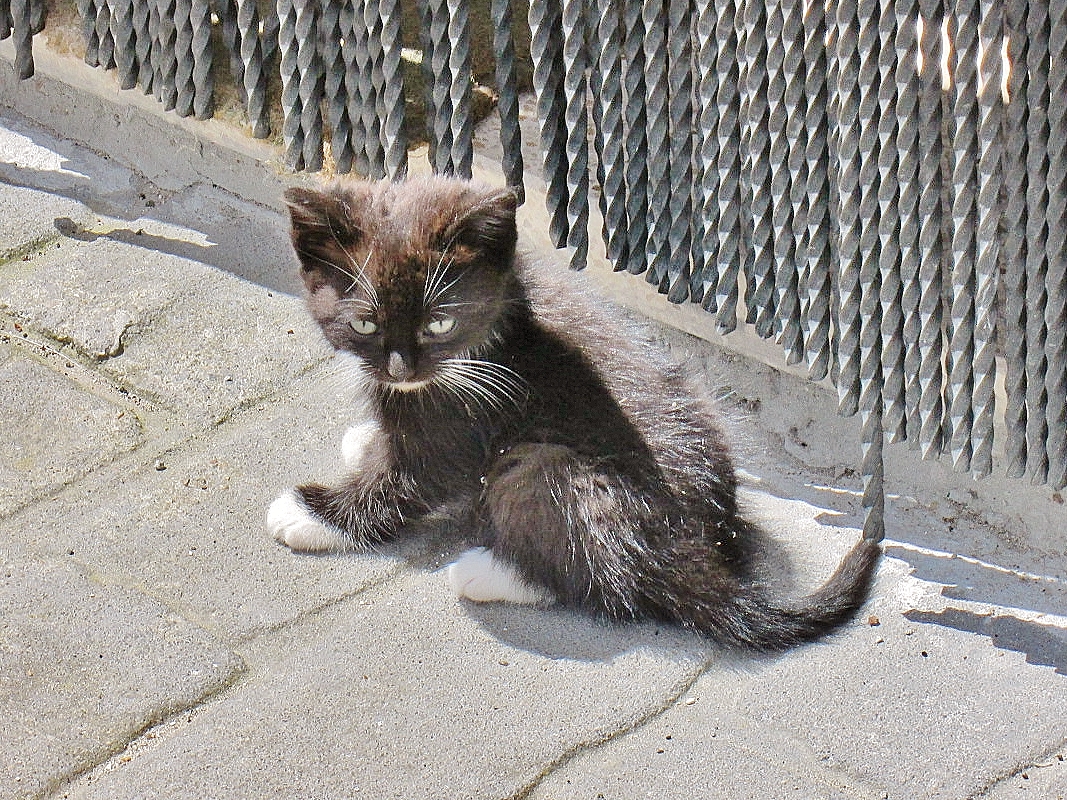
(406, 386)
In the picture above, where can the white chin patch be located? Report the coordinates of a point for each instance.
(480, 577)
(293, 525)
(355, 442)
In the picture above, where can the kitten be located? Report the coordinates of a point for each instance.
(592, 474)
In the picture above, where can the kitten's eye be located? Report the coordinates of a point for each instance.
(364, 327)
(440, 326)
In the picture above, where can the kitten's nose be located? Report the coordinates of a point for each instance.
(398, 367)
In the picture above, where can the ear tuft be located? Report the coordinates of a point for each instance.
(488, 225)
(322, 228)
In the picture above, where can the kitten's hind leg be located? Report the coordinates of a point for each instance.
(567, 525)
(480, 577)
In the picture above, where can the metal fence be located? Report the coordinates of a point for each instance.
(880, 186)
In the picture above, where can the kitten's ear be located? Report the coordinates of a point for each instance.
(488, 226)
(322, 229)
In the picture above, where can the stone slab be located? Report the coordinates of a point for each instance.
(85, 665)
(412, 695)
(192, 531)
(54, 430)
(163, 324)
(900, 709)
(28, 217)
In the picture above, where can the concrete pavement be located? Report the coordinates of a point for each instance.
(155, 642)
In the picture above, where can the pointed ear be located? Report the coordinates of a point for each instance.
(322, 229)
(488, 226)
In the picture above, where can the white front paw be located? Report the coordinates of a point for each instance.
(355, 443)
(292, 524)
(478, 576)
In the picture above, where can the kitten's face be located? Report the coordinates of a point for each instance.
(413, 278)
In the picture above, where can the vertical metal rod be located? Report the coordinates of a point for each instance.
(634, 124)
(1056, 280)
(203, 76)
(706, 281)
(394, 137)
(680, 124)
(987, 261)
(546, 50)
(508, 105)
(1037, 202)
(760, 297)
(964, 27)
(1014, 242)
(459, 90)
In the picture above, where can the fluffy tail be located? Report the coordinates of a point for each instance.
(743, 615)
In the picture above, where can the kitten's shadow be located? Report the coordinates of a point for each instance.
(560, 633)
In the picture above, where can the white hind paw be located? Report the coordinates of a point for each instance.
(480, 577)
(293, 525)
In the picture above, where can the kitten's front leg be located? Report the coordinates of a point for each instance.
(365, 511)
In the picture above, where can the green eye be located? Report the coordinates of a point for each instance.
(440, 326)
(364, 327)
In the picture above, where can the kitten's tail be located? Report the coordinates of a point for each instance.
(749, 618)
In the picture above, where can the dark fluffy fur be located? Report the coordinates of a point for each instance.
(583, 458)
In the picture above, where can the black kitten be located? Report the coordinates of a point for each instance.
(593, 475)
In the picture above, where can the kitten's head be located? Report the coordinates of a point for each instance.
(414, 278)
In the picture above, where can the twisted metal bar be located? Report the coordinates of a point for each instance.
(254, 74)
(203, 77)
(785, 284)
(964, 221)
(442, 86)
(1056, 281)
(871, 401)
(760, 294)
(122, 34)
(577, 121)
(87, 14)
(1014, 242)
(292, 131)
(1037, 266)
(931, 338)
(634, 126)
(908, 157)
(611, 154)
(354, 52)
(817, 188)
(658, 133)
(426, 42)
(706, 280)
(459, 64)
(104, 37)
(310, 82)
(848, 153)
(680, 164)
(508, 103)
(165, 54)
(546, 50)
(334, 32)
(231, 39)
(373, 77)
(183, 53)
(392, 95)
(793, 316)
(22, 26)
(141, 23)
(988, 239)
(889, 224)
(733, 256)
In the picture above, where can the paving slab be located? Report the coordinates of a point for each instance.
(411, 695)
(187, 336)
(85, 665)
(191, 531)
(897, 709)
(28, 218)
(84, 430)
